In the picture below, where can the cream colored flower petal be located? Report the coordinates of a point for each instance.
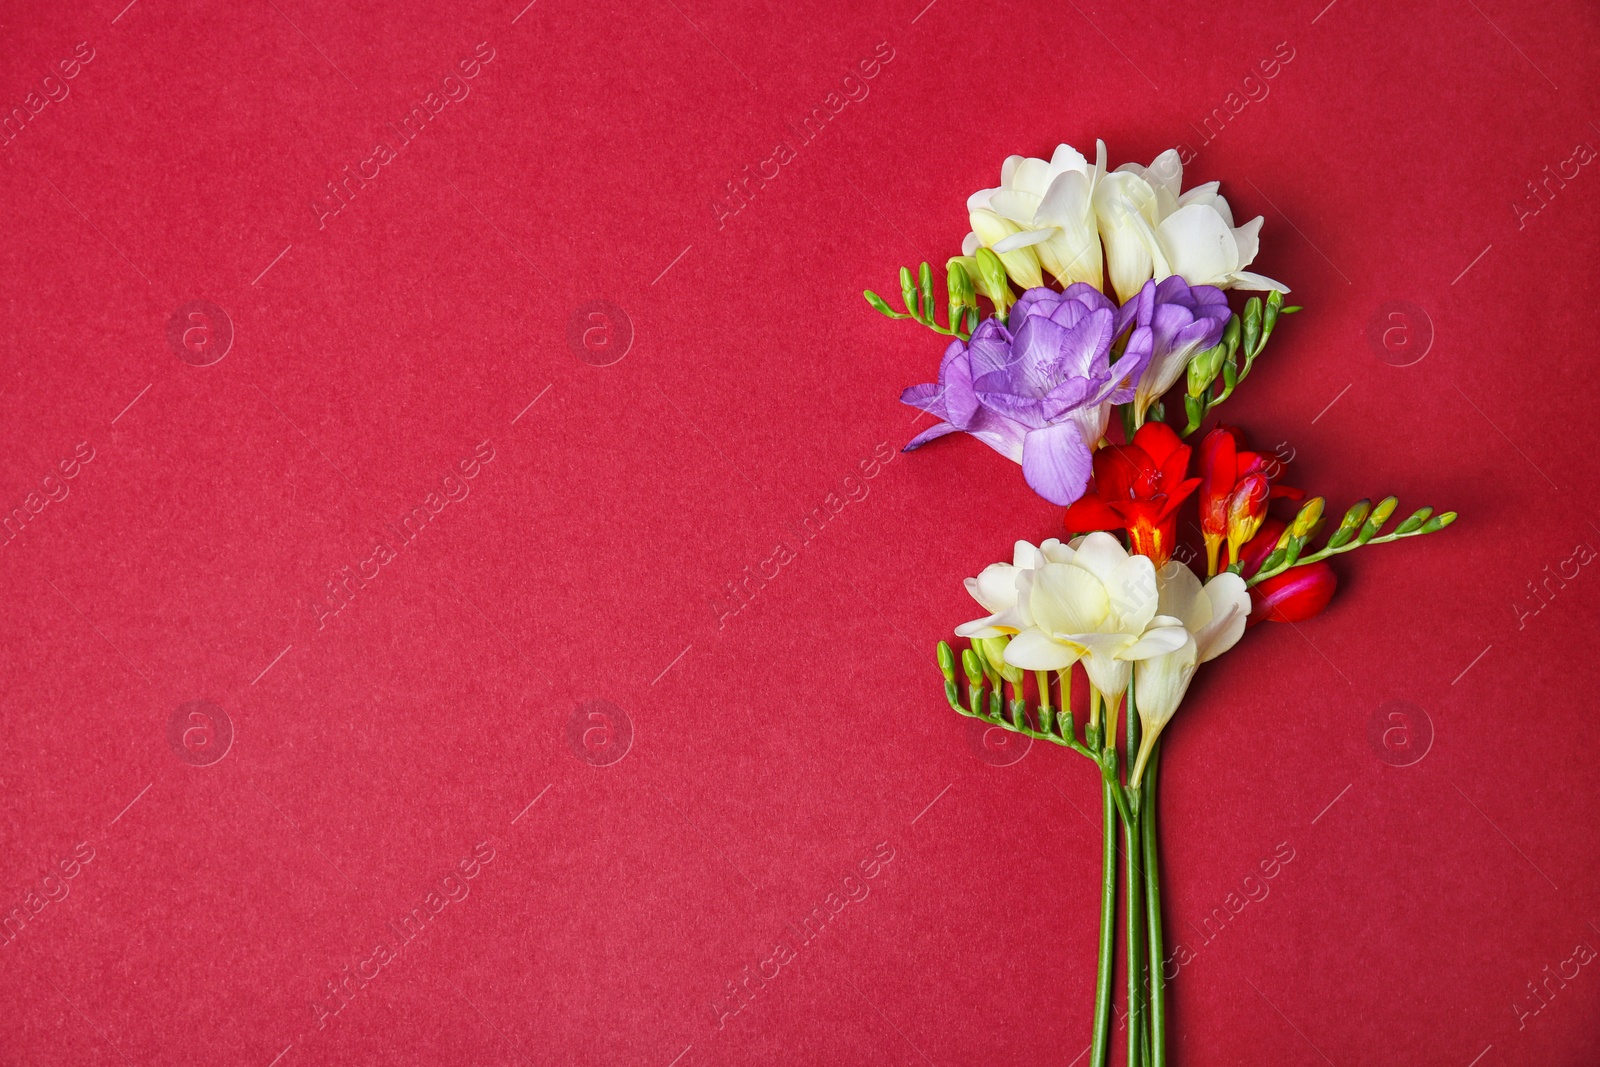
(1199, 245)
(1023, 264)
(1243, 279)
(969, 248)
(1106, 672)
(1035, 651)
(1161, 682)
(990, 227)
(1008, 169)
(1229, 599)
(1023, 612)
(1073, 253)
(981, 628)
(1182, 596)
(995, 587)
(1201, 194)
(1165, 175)
(1024, 239)
(1031, 177)
(1220, 203)
(1024, 554)
(1134, 596)
(1100, 554)
(1018, 205)
(1055, 552)
(1157, 641)
(1248, 240)
(1066, 158)
(1124, 208)
(1067, 599)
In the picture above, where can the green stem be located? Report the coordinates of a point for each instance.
(1326, 551)
(1135, 916)
(1101, 1047)
(1152, 894)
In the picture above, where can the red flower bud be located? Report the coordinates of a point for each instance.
(1247, 510)
(1218, 470)
(1260, 547)
(1295, 595)
(1218, 466)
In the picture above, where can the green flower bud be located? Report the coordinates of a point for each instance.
(1350, 523)
(993, 650)
(1305, 524)
(947, 661)
(1269, 318)
(959, 287)
(992, 280)
(1415, 521)
(971, 665)
(908, 291)
(1252, 325)
(1379, 516)
(877, 302)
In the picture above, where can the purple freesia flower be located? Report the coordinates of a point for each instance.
(1038, 388)
(1184, 320)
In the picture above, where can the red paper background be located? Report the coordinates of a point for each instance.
(773, 747)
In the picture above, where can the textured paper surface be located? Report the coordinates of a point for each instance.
(647, 682)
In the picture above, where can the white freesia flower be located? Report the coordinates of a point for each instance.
(1203, 246)
(1213, 617)
(1041, 215)
(1126, 209)
(1152, 230)
(1093, 603)
(996, 589)
(1063, 215)
(1195, 237)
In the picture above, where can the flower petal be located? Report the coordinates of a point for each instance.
(1056, 462)
(1243, 279)
(1100, 554)
(1156, 641)
(1032, 650)
(1133, 593)
(932, 433)
(995, 587)
(1161, 682)
(1066, 599)
(1199, 244)
(1229, 598)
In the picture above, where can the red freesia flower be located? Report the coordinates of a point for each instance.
(1293, 596)
(1138, 487)
(1236, 487)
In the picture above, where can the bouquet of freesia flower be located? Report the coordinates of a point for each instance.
(1074, 383)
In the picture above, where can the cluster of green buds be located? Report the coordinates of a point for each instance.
(1361, 525)
(1245, 336)
(966, 279)
(987, 674)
